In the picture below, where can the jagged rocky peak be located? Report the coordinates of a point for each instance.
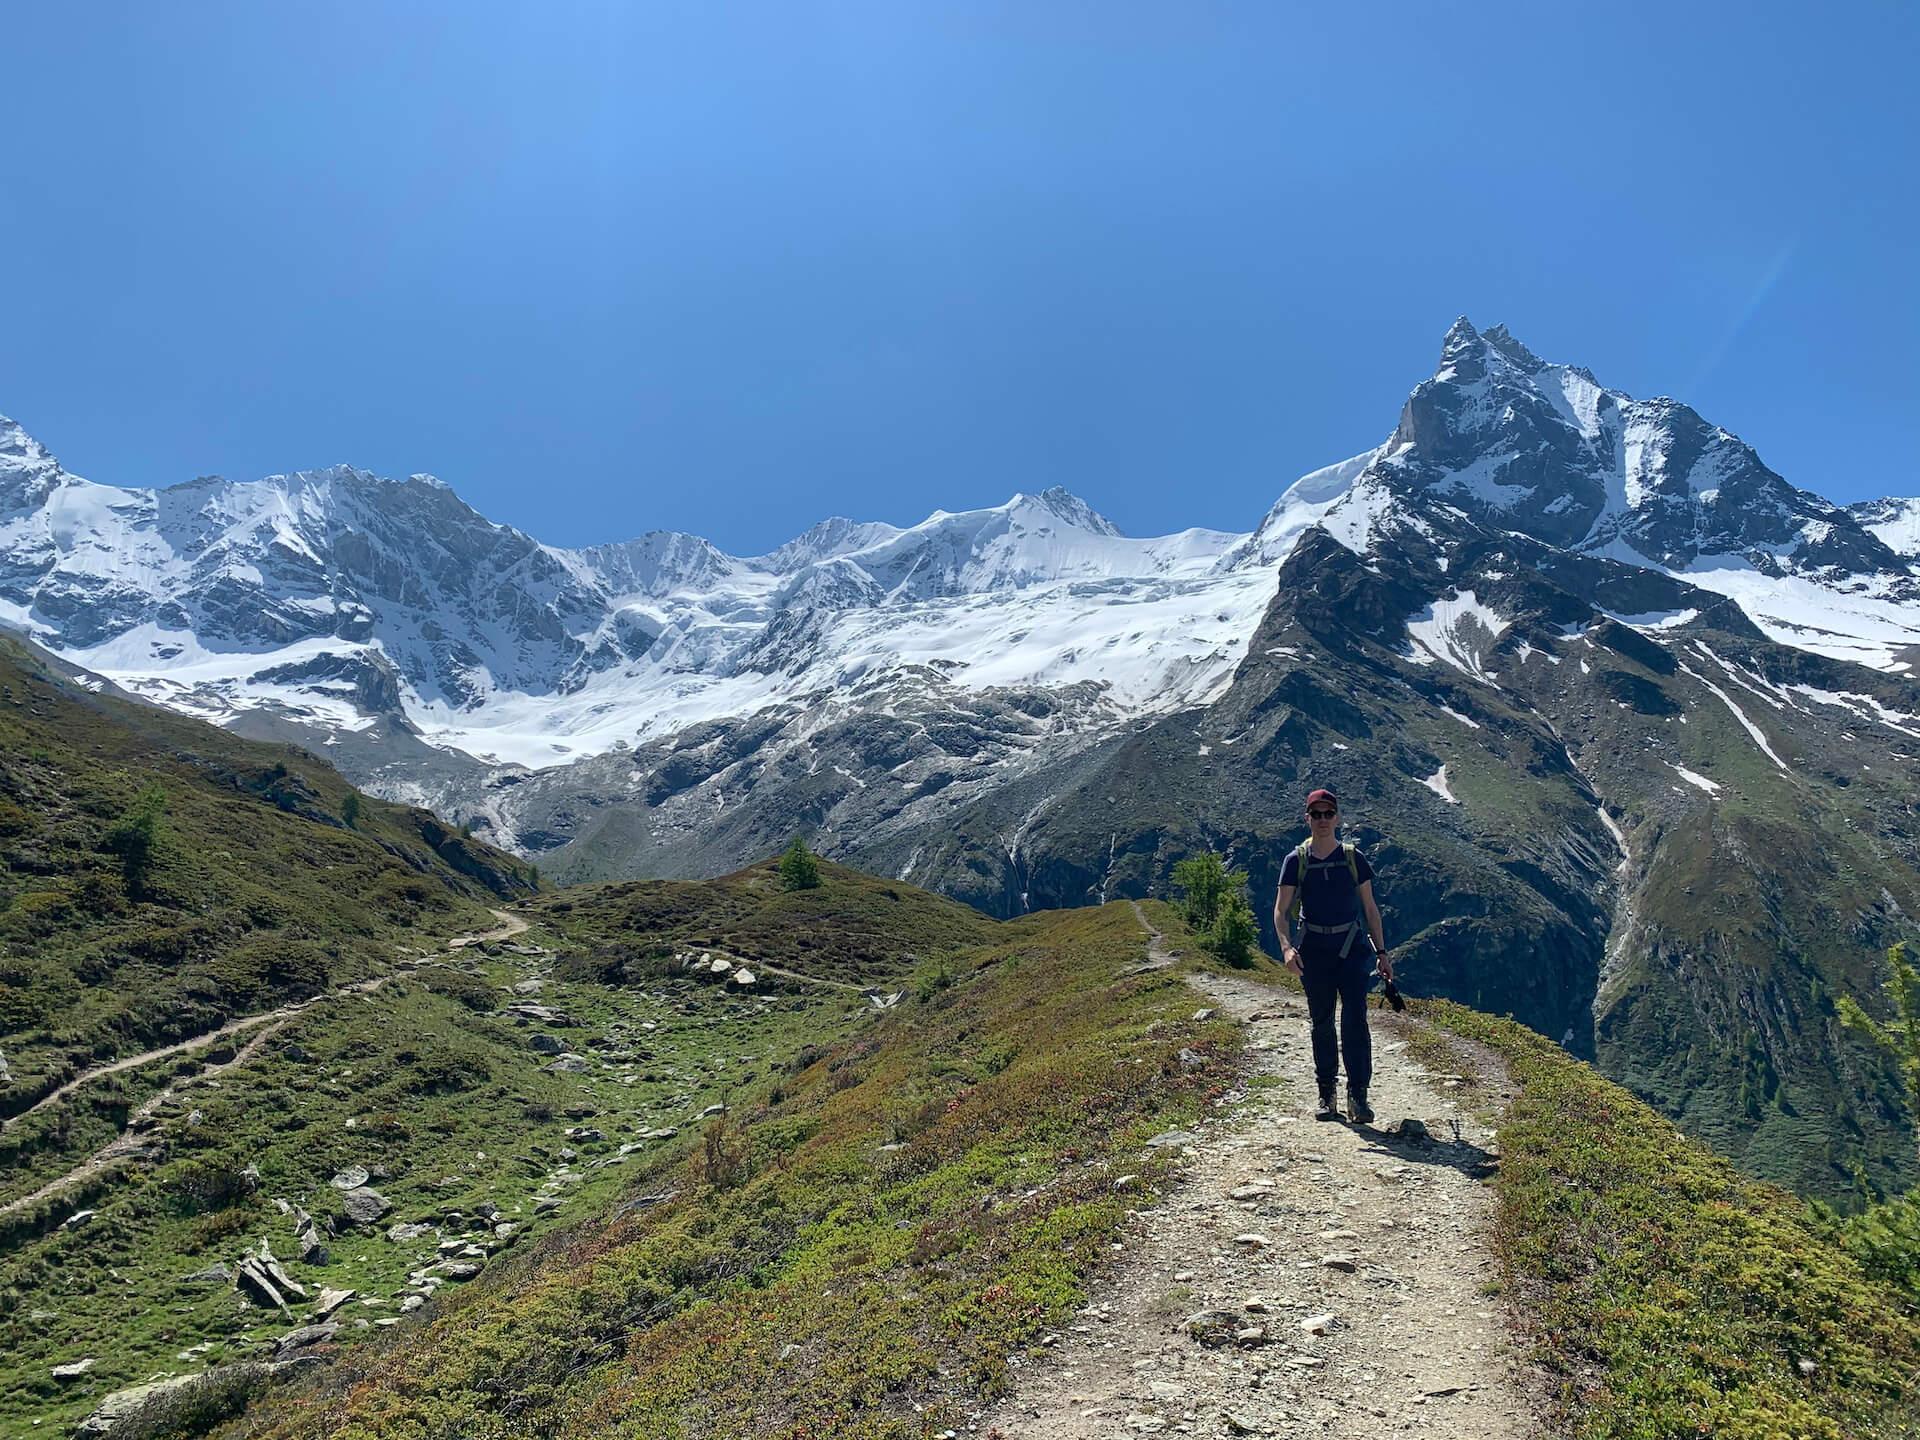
(27, 471)
(1895, 520)
(1531, 445)
(832, 537)
(1063, 504)
(659, 563)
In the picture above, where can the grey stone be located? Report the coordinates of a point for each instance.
(1170, 1139)
(544, 1044)
(404, 1233)
(305, 1337)
(364, 1206)
(351, 1178)
(251, 1280)
(1212, 1327)
(73, 1370)
(288, 1287)
(570, 1064)
(330, 1301)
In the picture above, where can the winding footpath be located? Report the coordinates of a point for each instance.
(128, 1143)
(1349, 1272)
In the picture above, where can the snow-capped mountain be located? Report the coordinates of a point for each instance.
(1588, 671)
(1505, 439)
(332, 598)
(1895, 521)
(335, 599)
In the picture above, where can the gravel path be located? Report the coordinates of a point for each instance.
(1280, 1222)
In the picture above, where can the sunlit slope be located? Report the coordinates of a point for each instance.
(159, 876)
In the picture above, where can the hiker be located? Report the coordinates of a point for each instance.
(1330, 886)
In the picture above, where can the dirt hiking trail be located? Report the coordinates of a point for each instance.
(1302, 1278)
(128, 1144)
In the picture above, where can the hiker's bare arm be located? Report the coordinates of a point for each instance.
(1281, 903)
(1373, 927)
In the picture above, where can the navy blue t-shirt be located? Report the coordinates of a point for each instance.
(1330, 896)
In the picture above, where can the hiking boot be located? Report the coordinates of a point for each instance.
(1328, 1110)
(1357, 1107)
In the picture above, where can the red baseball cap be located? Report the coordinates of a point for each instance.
(1326, 795)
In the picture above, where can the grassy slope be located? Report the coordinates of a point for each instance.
(257, 892)
(854, 930)
(877, 1230)
(447, 1106)
(1670, 1294)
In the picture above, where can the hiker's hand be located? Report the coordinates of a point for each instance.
(1385, 963)
(1293, 961)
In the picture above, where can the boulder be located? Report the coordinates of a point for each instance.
(351, 1178)
(402, 1234)
(73, 1370)
(305, 1337)
(364, 1206)
(289, 1288)
(215, 1274)
(545, 1045)
(330, 1301)
(742, 979)
(570, 1064)
(252, 1281)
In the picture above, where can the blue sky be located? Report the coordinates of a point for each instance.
(731, 268)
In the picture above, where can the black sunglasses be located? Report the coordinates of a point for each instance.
(1321, 814)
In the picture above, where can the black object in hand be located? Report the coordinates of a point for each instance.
(1394, 997)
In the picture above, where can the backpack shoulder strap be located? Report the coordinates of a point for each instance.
(1299, 879)
(1353, 866)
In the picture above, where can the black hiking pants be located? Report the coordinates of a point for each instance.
(1327, 979)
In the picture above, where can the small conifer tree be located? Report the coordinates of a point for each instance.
(350, 809)
(135, 837)
(798, 868)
